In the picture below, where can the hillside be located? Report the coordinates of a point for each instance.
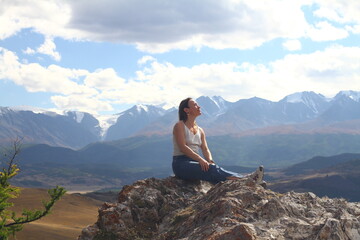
(335, 176)
(68, 217)
(116, 163)
(320, 163)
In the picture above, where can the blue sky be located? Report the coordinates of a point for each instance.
(105, 56)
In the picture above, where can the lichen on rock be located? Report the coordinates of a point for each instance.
(170, 209)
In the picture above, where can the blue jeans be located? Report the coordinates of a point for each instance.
(189, 169)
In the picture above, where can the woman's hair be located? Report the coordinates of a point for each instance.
(183, 104)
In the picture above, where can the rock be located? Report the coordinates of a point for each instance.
(170, 209)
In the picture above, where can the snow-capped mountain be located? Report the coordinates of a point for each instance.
(65, 129)
(212, 107)
(219, 117)
(355, 96)
(344, 106)
(133, 120)
(313, 101)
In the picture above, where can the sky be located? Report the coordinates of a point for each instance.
(104, 56)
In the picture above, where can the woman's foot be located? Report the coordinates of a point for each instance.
(263, 184)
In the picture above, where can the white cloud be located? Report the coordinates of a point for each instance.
(326, 71)
(81, 103)
(330, 14)
(146, 59)
(354, 29)
(324, 31)
(160, 26)
(47, 17)
(339, 11)
(104, 79)
(157, 27)
(36, 78)
(292, 45)
(49, 48)
(29, 51)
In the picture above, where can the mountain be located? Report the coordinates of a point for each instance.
(301, 107)
(86, 121)
(345, 106)
(255, 113)
(212, 107)
(71, 129)
(220, 117)
(174, 209)
(302, 112)
(312, 102)
(133, 120)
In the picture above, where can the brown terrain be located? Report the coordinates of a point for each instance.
(68, 217)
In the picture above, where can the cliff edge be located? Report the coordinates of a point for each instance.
(170, 209)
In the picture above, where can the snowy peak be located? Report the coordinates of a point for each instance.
(308, 98)
(312, 100)
(133, 120)
(141, 109)
(35, 110)
(213, 106)
(353, 95)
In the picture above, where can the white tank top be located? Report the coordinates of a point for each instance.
(193, 141)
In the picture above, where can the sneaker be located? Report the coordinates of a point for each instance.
(263, 184)
(258, 175)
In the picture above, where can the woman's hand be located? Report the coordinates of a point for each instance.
(204, 165)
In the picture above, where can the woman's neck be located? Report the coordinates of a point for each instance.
(190, 122)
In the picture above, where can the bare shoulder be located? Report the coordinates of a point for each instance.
(202, 131)
(178, 126)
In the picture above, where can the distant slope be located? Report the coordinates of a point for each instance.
(335, 176)
(113, 164)
(68, 217)
(319, 163)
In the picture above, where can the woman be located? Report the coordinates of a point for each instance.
(188, 140)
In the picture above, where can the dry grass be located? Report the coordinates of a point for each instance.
(69, 215)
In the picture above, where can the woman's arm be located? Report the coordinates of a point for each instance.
(179, 134)
(204, 147)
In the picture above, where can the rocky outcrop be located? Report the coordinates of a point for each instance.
(169, 209)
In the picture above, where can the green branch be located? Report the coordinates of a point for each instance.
(30, 216)
(7, 192)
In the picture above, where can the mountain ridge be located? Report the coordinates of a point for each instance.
(298, 112)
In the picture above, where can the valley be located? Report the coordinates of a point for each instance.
(69, 216)
(306, 142)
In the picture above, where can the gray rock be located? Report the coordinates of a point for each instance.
(170, 208)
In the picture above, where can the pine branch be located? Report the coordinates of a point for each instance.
(30, 216)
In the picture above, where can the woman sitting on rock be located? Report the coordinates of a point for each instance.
(188, 139)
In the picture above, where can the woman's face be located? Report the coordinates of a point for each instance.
(193, 109)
